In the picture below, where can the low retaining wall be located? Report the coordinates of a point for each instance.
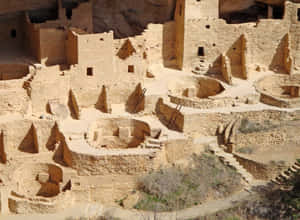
(258, 170)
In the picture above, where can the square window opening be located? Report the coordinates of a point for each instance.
(130, 69)
(89, 71)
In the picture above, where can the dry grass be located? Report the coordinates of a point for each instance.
(248, 126)
(176, 188)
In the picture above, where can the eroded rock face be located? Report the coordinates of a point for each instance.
(16, 5)
(130, 17)
(229, 6)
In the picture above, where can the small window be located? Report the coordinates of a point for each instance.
(89, 71)
(200, 51)
(298, 14)
(13, 33)
(130, 69)
(207, 26)
(69, 13)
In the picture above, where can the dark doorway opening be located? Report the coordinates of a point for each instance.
(89, 71)
(69, 13)
(298, 14)
(43, 15)
(278, 12)
(13, 33)
(200, 51)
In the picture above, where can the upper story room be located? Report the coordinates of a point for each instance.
(24, 30)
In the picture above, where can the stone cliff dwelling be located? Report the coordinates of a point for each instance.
(96, 94)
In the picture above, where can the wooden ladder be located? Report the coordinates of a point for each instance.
(174, 115)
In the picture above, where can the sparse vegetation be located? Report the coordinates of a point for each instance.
(279, 164)
(269, 204)
(120, 202)
(248, 126)
(245, 150)
(177, 188)
(93, 218)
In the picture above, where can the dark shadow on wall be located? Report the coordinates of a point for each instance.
(73, 106)
(68, 186)
(215, 70)
(234, 53)
(2, 151)
(170, 117)
(30, 144)
(136, 101)
(251, 14)
(58, 156)
(52, 140)
(126, 50)
(49, 189)
(168, 46)
(129, 18)
(102, 102)
(277, 64)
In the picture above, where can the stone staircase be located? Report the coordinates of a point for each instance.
(152, 143)
(287, 174)
(229, 160)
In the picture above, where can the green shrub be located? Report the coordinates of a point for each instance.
(245, 150)
(251, 127)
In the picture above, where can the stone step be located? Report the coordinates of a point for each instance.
(284, 175)
(293, 170)
(230, 160)
(288, 172)
(297, 163)
(153, 141)
(278, 179)
(275, 181)
(153, 146)
(296, 167)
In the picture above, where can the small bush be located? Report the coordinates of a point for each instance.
(177, 188)
(251, 127)
(245, 150)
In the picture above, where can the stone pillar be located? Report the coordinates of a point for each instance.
(4, 193)
(226, 69)
(2, 149)
(270, 11)
(287, 54)
(61, 10)
(244, 57)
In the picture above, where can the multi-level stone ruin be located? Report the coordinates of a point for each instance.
(96, 93)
